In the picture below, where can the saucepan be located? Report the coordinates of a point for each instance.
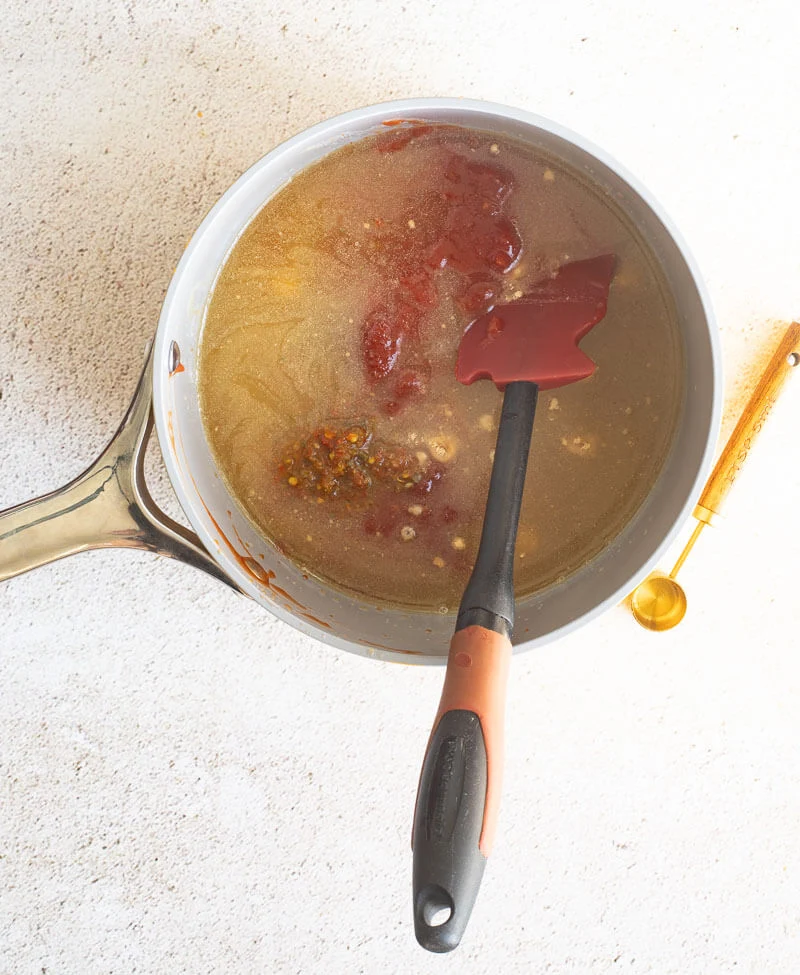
(109, 504)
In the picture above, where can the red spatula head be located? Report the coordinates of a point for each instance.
(535, 339)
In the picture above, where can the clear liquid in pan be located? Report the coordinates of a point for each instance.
(283, 357)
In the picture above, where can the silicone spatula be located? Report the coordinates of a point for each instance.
(527, 345)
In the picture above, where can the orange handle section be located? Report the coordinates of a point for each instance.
(753, 418)
(476, 680)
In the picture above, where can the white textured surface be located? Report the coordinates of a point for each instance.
(190, 786)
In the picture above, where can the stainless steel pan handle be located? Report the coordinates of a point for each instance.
(108, 506)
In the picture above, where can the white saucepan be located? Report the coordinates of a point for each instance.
(109, 504)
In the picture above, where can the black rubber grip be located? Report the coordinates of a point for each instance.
(448, 864)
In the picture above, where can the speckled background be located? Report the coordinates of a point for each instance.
(189, 785)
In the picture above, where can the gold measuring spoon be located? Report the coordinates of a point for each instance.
(659, 603)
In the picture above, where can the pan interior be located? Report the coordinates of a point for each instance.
(345, 619)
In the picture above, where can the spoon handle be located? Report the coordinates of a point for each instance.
(753, 418)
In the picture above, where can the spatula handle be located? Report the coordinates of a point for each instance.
(489, 595)
(459, 789)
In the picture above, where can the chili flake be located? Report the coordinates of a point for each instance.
(346, 462)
